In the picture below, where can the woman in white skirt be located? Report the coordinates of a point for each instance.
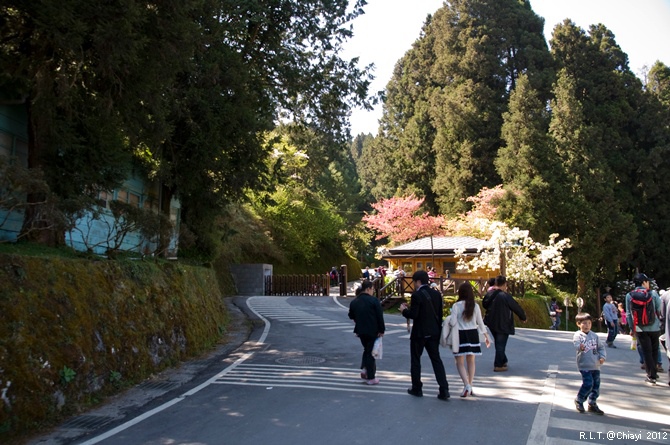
(467, 318)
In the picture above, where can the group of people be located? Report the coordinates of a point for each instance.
(642, 323)
(648, 316)
(615, 319)
(371, 274)
(425, 310)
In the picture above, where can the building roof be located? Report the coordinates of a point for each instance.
(441, 245)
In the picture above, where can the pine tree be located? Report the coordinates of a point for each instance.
(623, 123)
(444, 106)
(528, 165)
(651, 189)
(593, 218)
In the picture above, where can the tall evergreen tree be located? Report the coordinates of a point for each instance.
(444, 106)
(528, 165)
(651, 189)
(401, 160)
(595, 220)
(622, 120)
(658, 83)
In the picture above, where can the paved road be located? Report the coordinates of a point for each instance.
(295, 381)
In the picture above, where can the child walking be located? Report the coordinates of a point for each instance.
(590, 355)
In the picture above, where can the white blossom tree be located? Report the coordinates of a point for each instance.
(516, 254)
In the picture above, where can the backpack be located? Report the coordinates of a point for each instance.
(642, 307)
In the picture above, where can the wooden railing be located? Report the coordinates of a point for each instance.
(297, 284)
(399, 287)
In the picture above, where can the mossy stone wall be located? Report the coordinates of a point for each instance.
(74, 331)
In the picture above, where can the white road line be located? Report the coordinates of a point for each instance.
(395, 331)
(346, 379)
(331, 324)
(279, 309)
(337, 302)
(538, 432)
(526, 339)
(164, 406)
(176, 400)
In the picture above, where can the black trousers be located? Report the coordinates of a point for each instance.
(368, 361)
(649, 343)
(500, 340)
(432, 346)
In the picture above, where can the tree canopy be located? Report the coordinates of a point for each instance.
(578, 143)
(184, 89)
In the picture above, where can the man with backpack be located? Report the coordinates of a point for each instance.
(643, 307)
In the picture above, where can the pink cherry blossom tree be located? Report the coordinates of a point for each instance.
(401, 220)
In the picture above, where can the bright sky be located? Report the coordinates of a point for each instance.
(389, 27)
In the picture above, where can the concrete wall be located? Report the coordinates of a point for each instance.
(250, 278)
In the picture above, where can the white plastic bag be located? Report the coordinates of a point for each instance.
(447, 333)
(377, 349)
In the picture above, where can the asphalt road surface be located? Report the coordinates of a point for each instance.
(295, 380)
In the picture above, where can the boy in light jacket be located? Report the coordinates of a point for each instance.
(590, 355)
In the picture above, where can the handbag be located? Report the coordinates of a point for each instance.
(449, 330)
(446, 338)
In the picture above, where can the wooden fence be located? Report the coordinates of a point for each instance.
(297, 284)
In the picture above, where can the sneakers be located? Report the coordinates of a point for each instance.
(415, 392)
(372, 382)
(650, 381)
(580, 406)
(593, 408)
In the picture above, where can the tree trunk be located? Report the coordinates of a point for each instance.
(38, 220)
(165, 198)
(582, 286)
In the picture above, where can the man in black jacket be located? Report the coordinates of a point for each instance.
(367, 312)
(500, 307)
(426, 311)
